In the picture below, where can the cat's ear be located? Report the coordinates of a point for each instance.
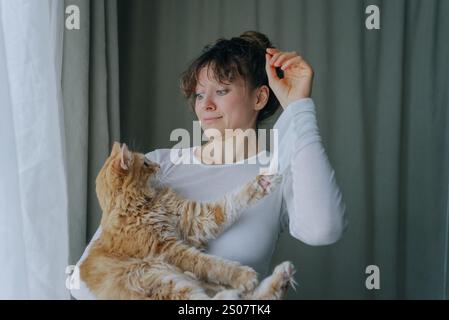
(115, 148)
(125, 157)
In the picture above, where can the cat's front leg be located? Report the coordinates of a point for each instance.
(211, 268)
(200, 222)
(237, 202)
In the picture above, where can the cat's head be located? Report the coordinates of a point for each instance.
(123, 171)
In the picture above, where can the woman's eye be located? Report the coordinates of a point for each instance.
(199, 96)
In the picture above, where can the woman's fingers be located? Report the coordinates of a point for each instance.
(271, 71)
(292, 61)
(273, 54)
(279, 58)
(285, 57)
(274, 58)
(284, 60)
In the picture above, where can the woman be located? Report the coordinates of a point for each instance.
(235, 84)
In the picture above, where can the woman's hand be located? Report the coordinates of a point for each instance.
(298, 76)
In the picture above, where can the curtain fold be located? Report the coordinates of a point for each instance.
(90, 94)
(382, 107)
(59, 101)
(33, 193)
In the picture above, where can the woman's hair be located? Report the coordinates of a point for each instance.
(239, 56)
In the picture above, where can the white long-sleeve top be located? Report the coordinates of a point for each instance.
(308, 202)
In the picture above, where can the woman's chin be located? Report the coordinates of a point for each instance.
(211, 131)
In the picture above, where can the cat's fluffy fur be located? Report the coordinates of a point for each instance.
(152, 239)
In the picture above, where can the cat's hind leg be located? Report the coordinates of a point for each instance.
(275, 286)
(167, 282)
(136, 279)
(163, 281)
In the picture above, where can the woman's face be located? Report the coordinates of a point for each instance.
(225, 106)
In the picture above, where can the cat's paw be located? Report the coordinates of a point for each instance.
(284, 273)
(244, 278)
(268, 183)
(275, 286)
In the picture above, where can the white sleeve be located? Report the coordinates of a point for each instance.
(313, 206)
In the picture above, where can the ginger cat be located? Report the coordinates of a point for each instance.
(152, 239)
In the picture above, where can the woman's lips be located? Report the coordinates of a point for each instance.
(211, 119)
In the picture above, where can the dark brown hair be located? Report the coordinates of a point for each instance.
(239, 56)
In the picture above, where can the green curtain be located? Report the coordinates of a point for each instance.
(91, 111)
(382, 107)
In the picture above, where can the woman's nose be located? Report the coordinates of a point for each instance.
(211, 107)
(208, 104)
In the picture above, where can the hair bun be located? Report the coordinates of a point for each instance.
(256, 38)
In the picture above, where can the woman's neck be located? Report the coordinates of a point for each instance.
(235, 147)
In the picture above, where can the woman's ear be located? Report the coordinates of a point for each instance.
(262, 95)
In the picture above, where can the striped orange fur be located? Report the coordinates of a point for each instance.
(152, 240)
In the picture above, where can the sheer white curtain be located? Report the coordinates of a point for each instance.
(33, 186)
